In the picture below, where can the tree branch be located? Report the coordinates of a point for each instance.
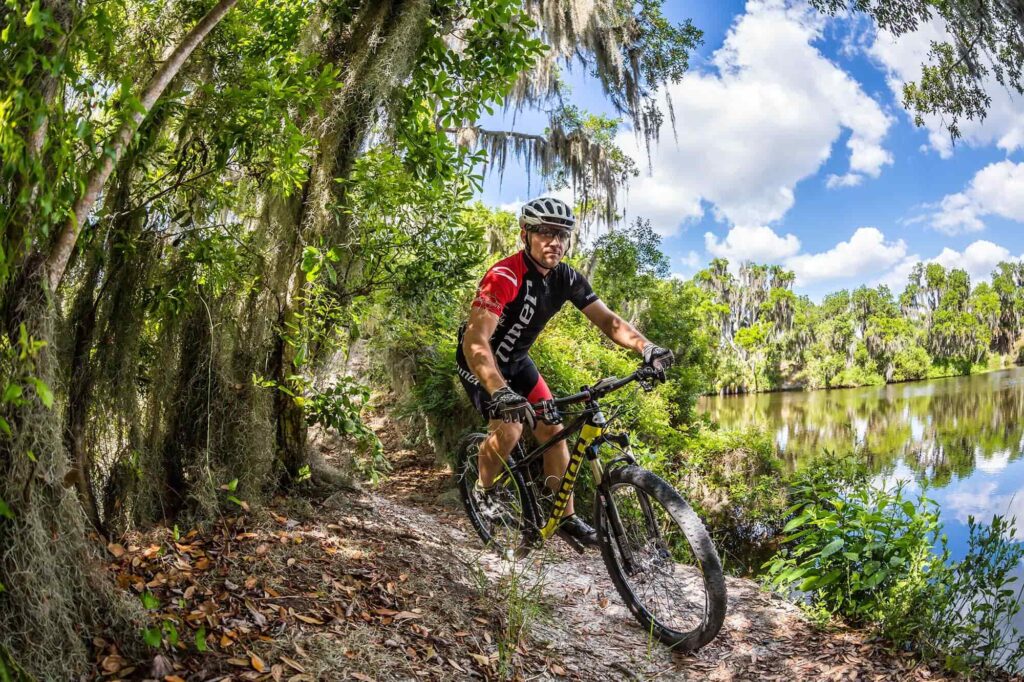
(60, 254)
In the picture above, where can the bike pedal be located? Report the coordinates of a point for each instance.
(571, 541)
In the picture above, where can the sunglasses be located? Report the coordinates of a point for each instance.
(549, 232)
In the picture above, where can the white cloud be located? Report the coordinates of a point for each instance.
(866, 252)
(982, 498)
(760, 244)
(902, 58)
(866, 255)
(979, 259)
(847, 180)
(896, 278)
(763, 120)
(511, 206)
(691, 260)
(997, 189)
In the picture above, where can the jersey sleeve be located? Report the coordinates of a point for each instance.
(580, 292)
(497, 289)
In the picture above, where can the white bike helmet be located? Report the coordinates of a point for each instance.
(546, 210)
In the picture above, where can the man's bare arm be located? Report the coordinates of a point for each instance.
(614, 327)
(476, 345)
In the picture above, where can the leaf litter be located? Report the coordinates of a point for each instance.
(365, 586)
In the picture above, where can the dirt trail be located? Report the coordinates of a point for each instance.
(585, 626)
(393, 584)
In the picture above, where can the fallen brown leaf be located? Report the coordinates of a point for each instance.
(116, 549)
(257, 663)
(405, 615)
(113, 663)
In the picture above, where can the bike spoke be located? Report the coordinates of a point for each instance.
(664, 579)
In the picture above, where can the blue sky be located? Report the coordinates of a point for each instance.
(793, 148)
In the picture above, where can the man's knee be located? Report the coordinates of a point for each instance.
(545, 432)
(507, 433)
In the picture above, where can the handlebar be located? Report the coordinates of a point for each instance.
(602, 388)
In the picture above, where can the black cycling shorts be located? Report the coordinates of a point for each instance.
(522, 377)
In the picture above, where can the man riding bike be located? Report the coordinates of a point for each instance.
(514, 302)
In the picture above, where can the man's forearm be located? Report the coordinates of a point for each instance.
(481, 363)
(624, 334)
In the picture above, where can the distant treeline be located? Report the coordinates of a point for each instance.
(939, 325)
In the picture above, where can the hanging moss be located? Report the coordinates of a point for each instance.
(55, 596)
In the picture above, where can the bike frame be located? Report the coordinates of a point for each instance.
(591, 426)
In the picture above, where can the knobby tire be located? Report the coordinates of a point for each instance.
(502, 537)
(669, 545)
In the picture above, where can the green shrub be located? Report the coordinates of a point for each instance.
(965, 617)
(911, 363)
(862, 555)
(340, 407)
(734, 479)
(878, 557)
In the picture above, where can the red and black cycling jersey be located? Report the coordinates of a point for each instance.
(524, 301)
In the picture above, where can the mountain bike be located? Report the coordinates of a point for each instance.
(656, 549)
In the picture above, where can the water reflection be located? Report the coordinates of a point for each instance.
(963, 436)
(941, 430)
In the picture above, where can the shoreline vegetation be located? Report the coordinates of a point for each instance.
(1004, 362)
(938, 325)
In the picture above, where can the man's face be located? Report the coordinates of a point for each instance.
(547, 244)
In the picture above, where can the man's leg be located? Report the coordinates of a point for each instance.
(501, 438)
(556, 460)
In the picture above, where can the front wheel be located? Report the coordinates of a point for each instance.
(660, 558)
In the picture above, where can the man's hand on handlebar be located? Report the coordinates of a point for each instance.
(657, 357)
(647, 376)
(512, 407)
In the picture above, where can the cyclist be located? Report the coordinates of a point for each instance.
(514, 301)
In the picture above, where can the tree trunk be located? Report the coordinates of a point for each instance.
(55, 593)
(378, 54)
(83, 316)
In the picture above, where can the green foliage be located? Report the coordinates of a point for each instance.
(864, 554)
(911, 363)
(339, 406)
(877, 556)
(735, 480)
(985, 48)
(664, 52)
(200, 639)
(628, 264)
(965, 617)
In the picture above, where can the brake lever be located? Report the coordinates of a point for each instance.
(648, 378)
(549, 413)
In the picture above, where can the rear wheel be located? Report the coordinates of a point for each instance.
(500, 517)
(660, 558)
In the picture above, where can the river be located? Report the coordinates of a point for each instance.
(964, 436)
